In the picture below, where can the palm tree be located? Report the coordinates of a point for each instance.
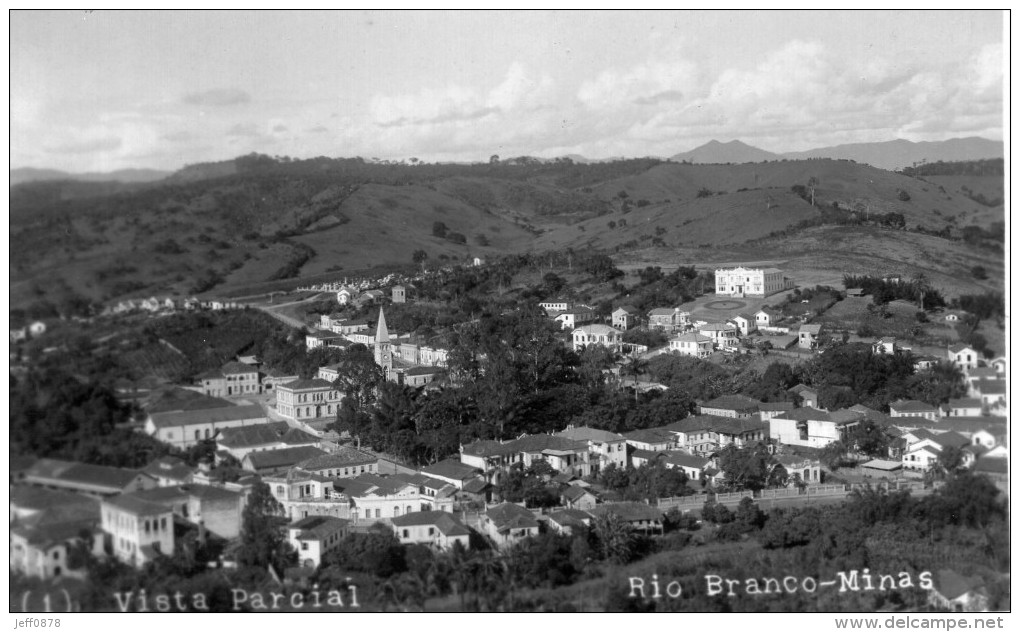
(615, 538)
(634, 367)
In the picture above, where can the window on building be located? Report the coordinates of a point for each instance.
(407, 533)
(304, 546)
(162, 524)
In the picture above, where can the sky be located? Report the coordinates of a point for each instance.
(99, 91)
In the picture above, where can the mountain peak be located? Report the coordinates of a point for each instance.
(734, 151)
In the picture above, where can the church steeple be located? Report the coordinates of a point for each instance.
(383, 353)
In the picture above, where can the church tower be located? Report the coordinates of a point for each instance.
(383, 353)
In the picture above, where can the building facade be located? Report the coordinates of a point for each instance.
(749, 281)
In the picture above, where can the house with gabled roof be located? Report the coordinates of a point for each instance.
(84, 478)
(269, 461)
(808, 395)
(921, 455)
(691, 465)
(575, 317)
(315, 536)
(567, 521)
(963, 356)
(44, 526)
(139, 530)
(811, 427)
(767, 317)
(186, 428)
(604, 447)
(913, 408)
(808, 336)
(650, 439)
(668, 319)
(691, 344)
(745, 323)
(575, 497)
(962, 407)
(239, 442)
(639, 516)
(736, 406)
(343, 462)
(958, 593)
(453, 471)
(562, 454)
(169, 471)
(507, 524)
(601, 335)
(308, 399)
(438, 529)
(722, 334)
(624, 317)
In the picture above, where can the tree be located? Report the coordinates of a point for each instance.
(439, 229)
(614, 537)
(419, 257)
(635, 367)
(263, 543)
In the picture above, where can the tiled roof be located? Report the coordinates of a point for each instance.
(733, 402)
(344, 456)
(992, 465)
(964, 402)
(264, 434)
(451, 469)
(485, 448)
(952, 585)
(810, 329)
(570, 517)
(573, 492)
(447, 523)
(911, 406)
(958, 347)
(286, 457)
(318, 527)
(813, 414)
(81, 474)
(596, 330)
(776, 406)
(314, 383)
(716, 327)
(951, 439)
(691, 338)
(649, 435)
(991, 387)
(982, 372)
(235, 368)
(662, 311)
(585, 433)
(539, 442)
(425, 370)
(475, 486)
(41, 499)
(138, 506)
(206, 416)
(511, 516)
(170, 468)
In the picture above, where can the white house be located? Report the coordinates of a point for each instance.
(439, 529)
(694, 345)
(668, 319)
(913, 408)
(749, 281)
(807, 337)
(812, 428)
(602, 335)
(573, 318)
(139, 530)
(185, 428)
(308, 399)
(624, 317)
(314, 536)
(722, 335)
(604, 447)
(766, 318)
(963, 356)
(745, 323)
(508, 524)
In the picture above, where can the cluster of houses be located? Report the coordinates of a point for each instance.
(156, 305)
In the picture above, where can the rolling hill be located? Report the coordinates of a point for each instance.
(891, 155)
(228, 227)
(29, 174)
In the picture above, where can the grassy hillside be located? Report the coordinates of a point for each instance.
(256, 221)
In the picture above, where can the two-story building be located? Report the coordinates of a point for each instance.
(625, 317)
(438, 529)
(308, 399)
(277, 435)
(315, 536)
(963, 356)
(808, 336)
(811, 427)
(731, 406)
(604, 448)
(233, 379)
(742, 281)
(722, 335)
(508, 524)
(668, 319)
(139, 530)
(574, 318)
(186, 428)
(694, 345)
(601, 335)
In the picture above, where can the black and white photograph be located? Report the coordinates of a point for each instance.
(523, 311)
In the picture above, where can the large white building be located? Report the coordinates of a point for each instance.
(750, 282)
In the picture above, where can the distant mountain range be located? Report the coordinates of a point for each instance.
(30, 174)
(891, 155)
